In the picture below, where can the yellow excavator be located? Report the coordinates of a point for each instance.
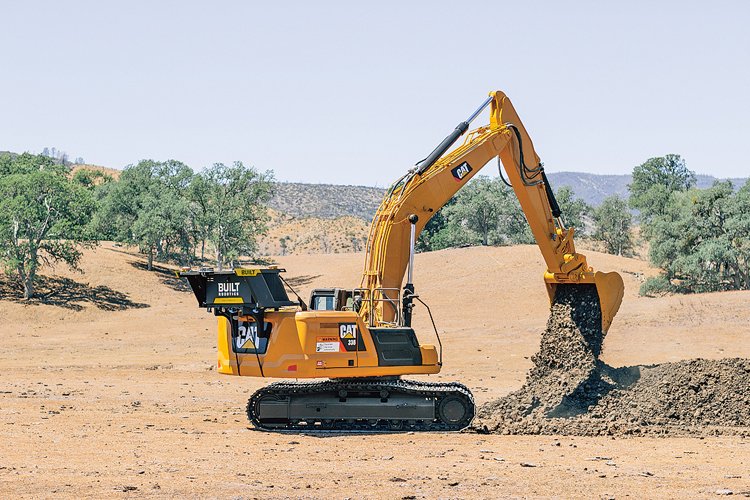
(361, 340)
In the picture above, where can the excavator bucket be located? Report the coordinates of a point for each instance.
(609, 287)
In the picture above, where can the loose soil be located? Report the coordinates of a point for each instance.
(570, 391)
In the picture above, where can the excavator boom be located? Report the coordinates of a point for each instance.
(417, 196)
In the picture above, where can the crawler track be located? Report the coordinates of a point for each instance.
(361, 405)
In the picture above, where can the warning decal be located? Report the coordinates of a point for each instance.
(327, 344)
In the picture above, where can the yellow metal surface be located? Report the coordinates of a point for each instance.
(611, 289)
(222, 343)
(423, 195)
(429, 354)
(240, 271)
(294, 343)
(228, 300)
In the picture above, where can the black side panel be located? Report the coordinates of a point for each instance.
(248, 288)
(198, 284)
(396, 346)
(275, 287)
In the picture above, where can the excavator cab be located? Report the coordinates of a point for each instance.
(331, 299)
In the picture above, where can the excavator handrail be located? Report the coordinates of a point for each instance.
(371, 301)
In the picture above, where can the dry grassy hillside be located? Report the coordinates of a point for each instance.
(326, 201)
(109, 388)
(289, 235)
(112, 172)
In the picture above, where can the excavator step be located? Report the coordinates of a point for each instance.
(361, 405)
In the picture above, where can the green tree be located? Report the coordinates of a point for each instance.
(612, 225)
(653, 184)
(202, 219)
(573, 209)
(513, 228)
(428, 239)
(148, 207)
(478, 209)
(737, 229)
(437, 223)
(98, 184)
(283, 243)
(701, 241)
(91, 178)
(484, 212)
(43, 214)
(236, 198)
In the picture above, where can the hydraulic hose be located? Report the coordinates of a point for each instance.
(554, 206)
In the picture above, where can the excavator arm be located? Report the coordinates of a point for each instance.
(416, 197)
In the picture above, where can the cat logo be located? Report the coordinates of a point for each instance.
(461, 171)
(247, 339)
(348, 331)
(350, 338)
(247, 336)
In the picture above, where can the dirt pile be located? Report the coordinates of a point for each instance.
(570, 391)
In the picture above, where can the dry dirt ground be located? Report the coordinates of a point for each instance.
(110, 391)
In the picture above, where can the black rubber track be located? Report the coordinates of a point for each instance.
(439, 391)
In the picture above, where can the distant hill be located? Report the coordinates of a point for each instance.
(593, 188)
(329, 201)
(326, 201)
(288, 235)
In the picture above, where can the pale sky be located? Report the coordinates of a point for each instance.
(356, 93)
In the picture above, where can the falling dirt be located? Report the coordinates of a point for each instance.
(570, 391)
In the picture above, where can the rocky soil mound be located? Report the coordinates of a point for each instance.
(570, 391)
